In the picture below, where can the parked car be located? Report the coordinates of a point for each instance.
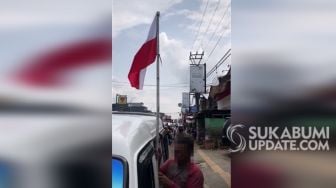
(134, 162)
(56, 150)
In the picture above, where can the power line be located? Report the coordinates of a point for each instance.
(213, 49)
(199, 28)
(220, 62)
(219, 24)
(210, 22)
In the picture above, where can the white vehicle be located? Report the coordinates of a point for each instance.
(133, 155)
(53, 150)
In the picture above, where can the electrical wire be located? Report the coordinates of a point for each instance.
(199, 28)
(213, 49)
(224, 58)
(218, 25)
(210, 22)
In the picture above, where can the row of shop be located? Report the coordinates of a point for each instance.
(213, 115)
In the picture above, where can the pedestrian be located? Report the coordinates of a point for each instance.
(181, 172)
(180, 129)
(194, 133)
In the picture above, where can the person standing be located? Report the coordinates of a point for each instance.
(181, 172)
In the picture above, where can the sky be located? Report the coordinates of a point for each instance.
(290, 33)
(32, 27)
(281, 49)
(185, 25)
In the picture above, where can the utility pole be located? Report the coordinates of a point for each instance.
(196, 59)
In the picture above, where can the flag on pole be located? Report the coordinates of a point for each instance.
(144, 57)
(48, 68)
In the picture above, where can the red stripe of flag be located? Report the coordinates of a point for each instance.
(47, 69)
(144, 57)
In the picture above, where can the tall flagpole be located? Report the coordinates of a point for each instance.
(157, 83)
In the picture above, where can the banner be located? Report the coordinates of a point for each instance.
(197, 78)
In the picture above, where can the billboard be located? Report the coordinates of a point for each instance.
(193, 109)
(185, 110)
(197, 78)
(185, 100)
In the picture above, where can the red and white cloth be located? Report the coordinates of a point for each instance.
(144, 57)
(47, 69)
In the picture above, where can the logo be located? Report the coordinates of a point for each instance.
(289, 138)
(122, 99)
(237, 139)
(274, 138)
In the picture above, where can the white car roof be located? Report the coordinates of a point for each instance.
(130, 132)
(43, 137)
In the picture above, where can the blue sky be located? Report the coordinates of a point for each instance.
(179, 24)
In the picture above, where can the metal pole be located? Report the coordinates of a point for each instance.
(197, 97)
(157, 83)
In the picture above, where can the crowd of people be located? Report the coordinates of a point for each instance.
(174, 129)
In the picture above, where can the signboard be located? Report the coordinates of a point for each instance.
(185, 100)
(197, 78)
(121, 99)
(185, 110)
(214, 127)
(193, 109)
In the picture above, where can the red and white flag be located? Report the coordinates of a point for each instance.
(144, 57)
(47, 69)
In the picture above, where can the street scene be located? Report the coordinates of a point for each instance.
(209, 152)
(178, 120)
(171, 88)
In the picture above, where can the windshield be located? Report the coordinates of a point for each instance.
(118, 173)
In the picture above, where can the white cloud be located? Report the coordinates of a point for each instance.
(175, 57)
(174, 69)
(17, 13)
(130, 13)
(216, 21)
(182, 12)
(174, 51)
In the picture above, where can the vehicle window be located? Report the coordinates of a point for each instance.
(88, 167)
(145, 167)
(118, 173)
(4, 176)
